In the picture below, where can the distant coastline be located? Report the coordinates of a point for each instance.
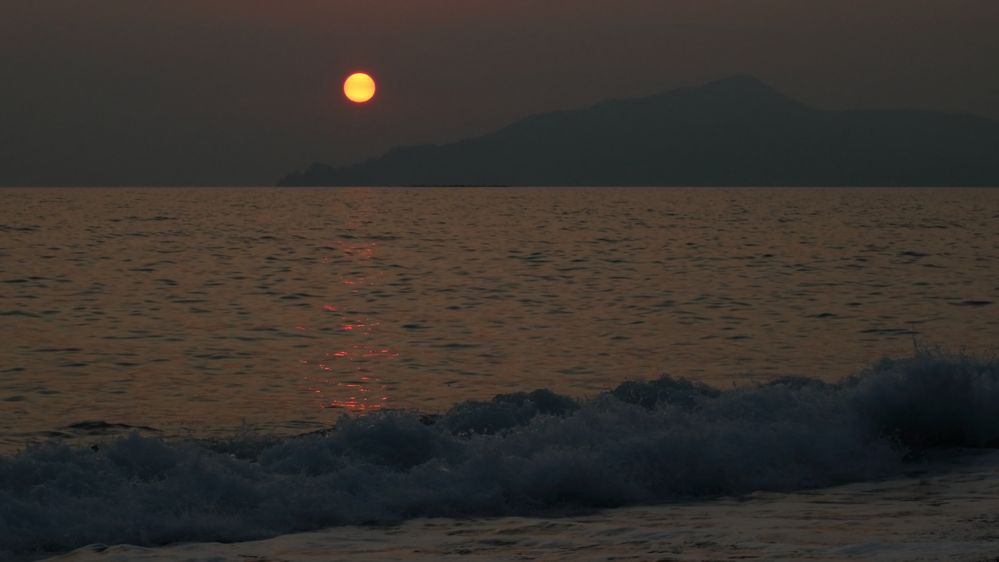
(460, 185)
(733, 132)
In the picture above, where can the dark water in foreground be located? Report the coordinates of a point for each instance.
(195, 311)
(519, 454)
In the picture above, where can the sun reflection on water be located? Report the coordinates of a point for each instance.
(350, 376)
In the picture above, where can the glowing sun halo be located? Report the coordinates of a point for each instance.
(359, 87)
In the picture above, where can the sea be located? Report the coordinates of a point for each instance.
(185, 366)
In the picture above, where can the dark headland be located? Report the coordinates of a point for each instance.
(733, 132)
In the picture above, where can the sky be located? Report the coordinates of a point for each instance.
(241, 92)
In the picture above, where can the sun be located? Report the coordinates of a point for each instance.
(359, 87)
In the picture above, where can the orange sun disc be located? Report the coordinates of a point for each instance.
(359, 87)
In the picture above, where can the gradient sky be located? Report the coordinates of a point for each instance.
(240, 92)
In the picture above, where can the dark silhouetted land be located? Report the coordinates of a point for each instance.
(734, 132)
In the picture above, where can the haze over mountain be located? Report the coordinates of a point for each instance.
(736, 131)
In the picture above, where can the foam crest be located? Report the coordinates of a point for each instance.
(525, 453)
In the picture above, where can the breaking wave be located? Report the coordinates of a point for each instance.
(524, 453)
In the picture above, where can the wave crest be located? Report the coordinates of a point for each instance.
(524, 453)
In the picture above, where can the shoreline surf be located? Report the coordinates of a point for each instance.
(946, 511)
(522, 454)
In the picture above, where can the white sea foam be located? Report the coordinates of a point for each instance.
(519, 454)
(947, 511)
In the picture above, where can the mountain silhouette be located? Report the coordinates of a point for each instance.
(735, 132)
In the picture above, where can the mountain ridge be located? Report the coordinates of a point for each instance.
(735, 131)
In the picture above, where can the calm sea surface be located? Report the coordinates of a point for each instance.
(196, 311)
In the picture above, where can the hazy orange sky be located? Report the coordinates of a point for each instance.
(242, 91)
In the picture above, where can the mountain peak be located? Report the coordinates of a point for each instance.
(743, 86)
(738, 82)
